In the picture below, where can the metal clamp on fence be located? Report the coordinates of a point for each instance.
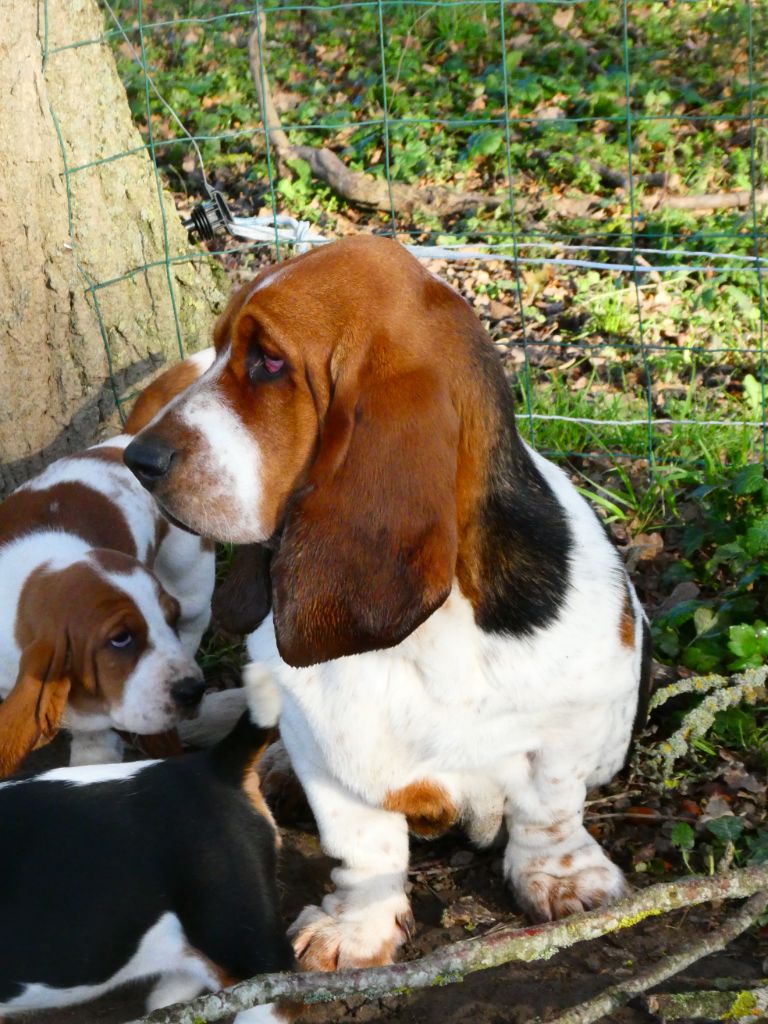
(214, 215)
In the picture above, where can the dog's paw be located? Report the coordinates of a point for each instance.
(327, 942)
(554, 885)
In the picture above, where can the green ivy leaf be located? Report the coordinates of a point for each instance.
(703, 619)
(728, 828)
(683, 836)
(758, 848)
(748, 480)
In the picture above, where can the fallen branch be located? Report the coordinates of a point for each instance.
(619, 995)
(745, 1004)
(454, 962)
(582, 204)
(354, 186)
(705, 203)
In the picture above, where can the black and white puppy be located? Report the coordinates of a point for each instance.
(112, 873)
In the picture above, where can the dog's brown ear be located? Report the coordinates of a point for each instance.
(369, 545)
(244, 598)
(32, 712)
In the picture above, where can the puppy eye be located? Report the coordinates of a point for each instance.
(263, 367)
(121, 640)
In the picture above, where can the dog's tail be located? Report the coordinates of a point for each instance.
(240, 751)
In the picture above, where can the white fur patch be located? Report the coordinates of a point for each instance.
(232, 458)
(263, 694)
(163, 949)
(102, 746)
(203, 360)
(87, 774)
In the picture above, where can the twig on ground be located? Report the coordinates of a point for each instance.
(744, 1004)
(747, 687)
(618, 995)
(639, 816)
(354, 186)
(611, 797)
(705, 203)
(581, 204)
(452, 963)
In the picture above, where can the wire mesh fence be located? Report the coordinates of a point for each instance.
(591, 174)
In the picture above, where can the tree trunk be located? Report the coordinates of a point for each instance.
(68, 350)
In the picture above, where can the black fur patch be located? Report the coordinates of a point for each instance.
(646, 682)
(526, 540)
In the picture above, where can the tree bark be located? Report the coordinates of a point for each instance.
(59, 236)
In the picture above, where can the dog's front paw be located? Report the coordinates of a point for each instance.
(552, 885)
(366, 938)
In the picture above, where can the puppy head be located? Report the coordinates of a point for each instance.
(331, 414)
(98, 638)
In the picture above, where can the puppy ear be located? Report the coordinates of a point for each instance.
(244, 598)
(369, 545)
(31, 713)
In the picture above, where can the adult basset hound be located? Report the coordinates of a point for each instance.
(455, 636)
(103, 602)
(163, 869)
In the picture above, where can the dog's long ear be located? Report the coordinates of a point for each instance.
(31, 713)
(369, 545)
(244, 598)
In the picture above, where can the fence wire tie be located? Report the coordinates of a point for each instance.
(214, 215)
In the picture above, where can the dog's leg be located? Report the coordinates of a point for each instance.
(219, 711)
(102, 747)
(368, 916)
(554, 865)
(186, 568)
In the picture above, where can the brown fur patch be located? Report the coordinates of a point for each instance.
(72, 508)
(159, 393)
(426, 805)
(556, 831)
(627, 624)
(31, 714)
(252, 787)
(156, 745)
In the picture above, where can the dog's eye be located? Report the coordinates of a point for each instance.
(263, 367)
(121, 640)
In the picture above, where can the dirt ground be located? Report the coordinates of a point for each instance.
(458, 892)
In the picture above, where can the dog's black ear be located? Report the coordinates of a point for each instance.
(243, 599)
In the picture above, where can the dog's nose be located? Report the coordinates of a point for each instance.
(188, 692)
(149, 459)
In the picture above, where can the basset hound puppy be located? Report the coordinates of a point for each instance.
(103, 602)
(454, 635)
(165, 869)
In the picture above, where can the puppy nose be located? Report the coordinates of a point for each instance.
(188, 692)
(149, 458)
